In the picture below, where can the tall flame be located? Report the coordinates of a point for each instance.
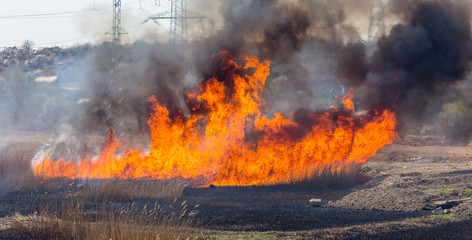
(229, 141)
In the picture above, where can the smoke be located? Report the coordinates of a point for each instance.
(39, 89)
(295, 35)
(415, 64)
(298, 37)
(315, 52)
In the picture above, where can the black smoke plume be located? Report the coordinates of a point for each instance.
(415, 65)
(279, 31)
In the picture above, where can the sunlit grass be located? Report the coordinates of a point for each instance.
(71, 219)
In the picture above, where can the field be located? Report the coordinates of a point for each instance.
(417, 188)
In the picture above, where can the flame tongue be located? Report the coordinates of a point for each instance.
(237, 144)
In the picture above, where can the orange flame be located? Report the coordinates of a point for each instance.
(232, 142)
(347, 101)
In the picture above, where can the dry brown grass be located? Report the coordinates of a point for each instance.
(15, 165)
(16, 173)
(329, 176)
(72, 221)
(117, 189)
(69, 219)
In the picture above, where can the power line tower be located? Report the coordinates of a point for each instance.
(377, 24)
(116, 30)
(112, 104)
(178, 22)
(178, 16)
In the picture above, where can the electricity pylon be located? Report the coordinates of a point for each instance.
(178, 16)
(377, 24)
(116, 30)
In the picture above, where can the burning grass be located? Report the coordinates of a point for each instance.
(16, 173)
(229, 141)
(73, 220)
(67, 212)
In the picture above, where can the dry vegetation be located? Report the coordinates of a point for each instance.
(15, 166)
(16, 174)
(71, 220)
(63, 208)
(329, 176)
(68, 209)
(115, 189)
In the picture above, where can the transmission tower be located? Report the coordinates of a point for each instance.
(377, 24)
(178, 23)
(116, 30)
(178, 16)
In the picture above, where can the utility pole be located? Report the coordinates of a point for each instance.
(377, 24)
(178, 16)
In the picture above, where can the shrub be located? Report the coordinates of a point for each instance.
(456, 119)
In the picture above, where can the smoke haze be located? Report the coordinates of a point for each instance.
(315, 47)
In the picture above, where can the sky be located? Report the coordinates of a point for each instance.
(67, 23)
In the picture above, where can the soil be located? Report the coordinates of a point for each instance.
(400, 201)
(412, 178)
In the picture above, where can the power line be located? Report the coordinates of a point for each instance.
(43, 14)
(66, 14)
(59, 42)
(56, 17)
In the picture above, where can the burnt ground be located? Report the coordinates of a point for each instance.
(407, 181)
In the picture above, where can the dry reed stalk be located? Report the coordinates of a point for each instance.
(113, 189)
(71, 221)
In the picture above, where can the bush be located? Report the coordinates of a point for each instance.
(455, 119)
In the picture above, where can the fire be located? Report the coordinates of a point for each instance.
(347, 101)
(229, 141)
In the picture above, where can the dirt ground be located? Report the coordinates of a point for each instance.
(411, 175)
(406, 198)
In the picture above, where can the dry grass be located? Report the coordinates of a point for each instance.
(16, 173)
(329, 176)
(15, 165)
(62, 217)
(118, 189)
(72, 221)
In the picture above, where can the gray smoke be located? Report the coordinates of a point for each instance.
(306, 41)
(296, 36)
